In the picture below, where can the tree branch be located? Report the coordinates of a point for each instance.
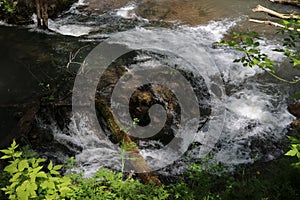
(268, 22)
(260, 8)
(291, 2)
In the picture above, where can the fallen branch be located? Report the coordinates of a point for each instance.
(136, 159)
(260, 8)
(268, 22)
(72, 57)
(291, 2)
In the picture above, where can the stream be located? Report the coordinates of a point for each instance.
(247, 118)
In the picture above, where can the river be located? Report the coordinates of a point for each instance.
(249, 116)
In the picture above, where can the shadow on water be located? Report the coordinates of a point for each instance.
(32, 65)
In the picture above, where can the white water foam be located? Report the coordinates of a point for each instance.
(128, 12)
(73, 8)
(254, 112)
(95, 152)
(75, 30)
(3, 23)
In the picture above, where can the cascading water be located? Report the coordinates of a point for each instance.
(248, 118)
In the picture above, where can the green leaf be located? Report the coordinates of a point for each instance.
(22, 191)
(54, 172)
(296, 62)
(5, 157)
(50, 166)
(65, 190)
(57, 167)
(296, 96)
(41, 175)
(12, 168)
(6, 151)
(294, 140)
(37, 169)
(14, 144)
(256, 44)
(48, 184)
(255, 61)
(292, 152)
(18, 154)
(249, 41)
(22, 165)
(15, 177)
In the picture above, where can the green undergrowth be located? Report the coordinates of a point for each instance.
(26, 176)
(36, 178)
(276, 179)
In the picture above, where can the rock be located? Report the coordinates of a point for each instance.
(18, 115)
(294, 109)
(296, 124)
(186, 12)
(102, 6)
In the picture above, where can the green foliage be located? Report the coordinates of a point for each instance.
(28, 180)
(206, 177)
(291, 41)
(272, 180)
(4, 181)
(248, 43)
(295, 150)
(106, 184)
(125, 148)
(7, 6)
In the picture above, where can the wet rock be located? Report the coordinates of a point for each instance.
(294, 109)
(40, 136)
(102, 6)
(18, 115)
(190, 12)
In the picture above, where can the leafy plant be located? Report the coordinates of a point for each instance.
(125, 148)
(7, 6)
(28, 180)
(295, 150)
(249, 42)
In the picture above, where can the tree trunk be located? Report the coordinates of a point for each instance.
(38, 13)
(136, 159)
(45, 14)
(42, 13)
